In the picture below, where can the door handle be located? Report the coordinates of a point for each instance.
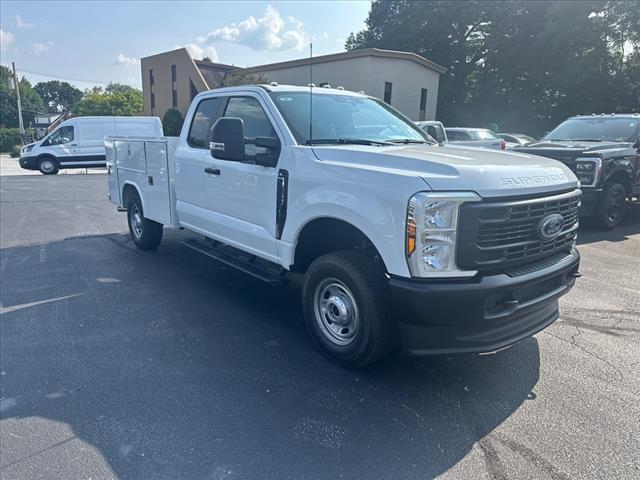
(74, 144)
(212, 171)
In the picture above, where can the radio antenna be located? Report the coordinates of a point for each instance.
(311, 93)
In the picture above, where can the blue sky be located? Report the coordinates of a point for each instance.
(92, 43)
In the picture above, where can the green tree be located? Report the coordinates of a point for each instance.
(240, 78)
(59, 96)
(519, 65)
(172, 123)
(31, 101)
(115, 99)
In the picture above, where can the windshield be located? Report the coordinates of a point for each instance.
(483, 135)
(345, 119)
(595, 129)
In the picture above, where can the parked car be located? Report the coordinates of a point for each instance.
(397, 239)
(79, 142)
(604, 152)
(434, 129)
(516, 139)
(475, 137)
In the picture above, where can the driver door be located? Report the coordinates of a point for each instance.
(241, 196)
(63, 145)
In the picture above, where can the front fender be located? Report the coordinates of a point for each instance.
(382, 224)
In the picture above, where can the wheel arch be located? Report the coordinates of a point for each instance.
(325, 234)
(130, 188)
(622, 177)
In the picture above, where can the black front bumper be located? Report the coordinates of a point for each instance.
(481, 314)
(29, 163)
(590, 199)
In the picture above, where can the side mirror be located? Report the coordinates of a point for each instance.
(227, 139)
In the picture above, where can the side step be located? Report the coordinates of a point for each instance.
(249, 264)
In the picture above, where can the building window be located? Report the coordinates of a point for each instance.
(173, 73)
(423, 104)
(387, 92)
(193, 89)
(151, 76)
(153, 101)
(324, 84)
(174, 98)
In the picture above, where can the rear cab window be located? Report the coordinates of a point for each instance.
(207, 112)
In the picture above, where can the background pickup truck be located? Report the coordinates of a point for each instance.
(399, 241)
(604, 153)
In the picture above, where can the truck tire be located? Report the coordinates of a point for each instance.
(344, 298)
(612, 206)
(145, 233)
(48, 166)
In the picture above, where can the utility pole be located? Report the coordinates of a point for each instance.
(17, 86)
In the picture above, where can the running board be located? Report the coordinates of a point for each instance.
(240, 261)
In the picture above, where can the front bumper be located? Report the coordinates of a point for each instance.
(29, 163)
(481, 314)
(590, 199)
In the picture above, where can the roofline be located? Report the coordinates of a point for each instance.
(363, 52)
(205, 64)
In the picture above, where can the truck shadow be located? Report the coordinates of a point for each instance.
(630, 226)
(172, 366)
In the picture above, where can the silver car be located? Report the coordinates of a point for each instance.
(475, 137)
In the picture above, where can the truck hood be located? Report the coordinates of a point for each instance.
(570, 150)
(489, 173)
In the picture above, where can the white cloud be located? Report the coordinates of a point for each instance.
(6, 39)
(122, 59)
(199, 52)
(269, 32)
(20, 23)
(40, 48)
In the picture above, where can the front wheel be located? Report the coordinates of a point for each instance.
(344, 299)
(48, 166)
(612, 206)
(145, 233)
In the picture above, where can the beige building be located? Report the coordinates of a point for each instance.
(405, 80)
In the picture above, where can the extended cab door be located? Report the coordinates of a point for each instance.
(241, 196)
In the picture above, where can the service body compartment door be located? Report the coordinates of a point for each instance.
(158, 199)
(112, 172)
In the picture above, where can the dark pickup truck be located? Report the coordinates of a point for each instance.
(604, 153)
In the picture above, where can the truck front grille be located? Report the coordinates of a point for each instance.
(502, 235)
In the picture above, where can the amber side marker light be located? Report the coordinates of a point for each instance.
(411, 235)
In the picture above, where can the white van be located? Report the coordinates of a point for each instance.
(79, 142)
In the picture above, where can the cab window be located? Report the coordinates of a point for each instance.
(207, 112)
(256, 124)
(61, 136)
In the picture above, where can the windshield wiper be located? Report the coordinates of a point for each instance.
(589, 140)
(408, 140)
(348, 141)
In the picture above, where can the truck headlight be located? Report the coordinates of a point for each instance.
(26, 148)
(588, 171)
(432, 222)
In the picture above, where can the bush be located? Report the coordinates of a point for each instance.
(172, 123)
(15, 151)
(10, 137)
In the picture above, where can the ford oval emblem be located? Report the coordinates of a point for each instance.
(550, 226)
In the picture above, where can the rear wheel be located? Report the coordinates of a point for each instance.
(145, 233)
(345, 307)
(612, 206)
(48, 166)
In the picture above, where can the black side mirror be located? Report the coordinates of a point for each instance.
(227, 139)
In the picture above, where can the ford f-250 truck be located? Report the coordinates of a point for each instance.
(400, 241)
(604, 153)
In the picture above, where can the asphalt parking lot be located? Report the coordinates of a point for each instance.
(117, 363)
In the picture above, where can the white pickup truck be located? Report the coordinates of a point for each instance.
(401, 242)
